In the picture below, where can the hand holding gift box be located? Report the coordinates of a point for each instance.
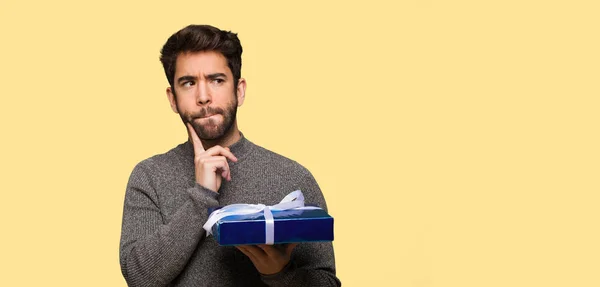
(268, 259)
(287, 222)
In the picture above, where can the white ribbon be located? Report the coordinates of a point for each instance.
(292, 201)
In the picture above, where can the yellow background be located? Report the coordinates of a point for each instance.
(456, 142)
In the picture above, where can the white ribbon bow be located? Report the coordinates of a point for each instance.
(292, 201)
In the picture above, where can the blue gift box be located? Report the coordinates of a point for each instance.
(309, 225)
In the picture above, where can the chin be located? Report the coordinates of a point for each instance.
(212, 129)
(211, 133)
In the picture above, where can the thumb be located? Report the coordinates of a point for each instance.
(289, 248)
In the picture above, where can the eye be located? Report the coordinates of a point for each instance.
(218, 81)
(188, 83)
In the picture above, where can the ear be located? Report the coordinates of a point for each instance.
(172, 101)
(241, 91)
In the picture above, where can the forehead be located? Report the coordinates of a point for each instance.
(204, 62)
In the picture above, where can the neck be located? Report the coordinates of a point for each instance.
(229, 138)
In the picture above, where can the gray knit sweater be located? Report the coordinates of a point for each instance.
(162, 240)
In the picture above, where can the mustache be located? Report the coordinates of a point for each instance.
(207, 111)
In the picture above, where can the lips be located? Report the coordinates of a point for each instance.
(206, 117)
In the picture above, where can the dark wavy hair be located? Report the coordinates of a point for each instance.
(196, 38)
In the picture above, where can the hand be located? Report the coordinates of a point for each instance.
(268, 259)
(210, 165)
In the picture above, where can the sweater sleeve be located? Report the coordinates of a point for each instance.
(153, 253)
(312, 263)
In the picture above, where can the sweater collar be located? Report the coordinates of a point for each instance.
(240, 148)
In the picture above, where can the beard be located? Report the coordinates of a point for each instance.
(212, 130)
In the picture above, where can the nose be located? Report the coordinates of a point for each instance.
(203, 97)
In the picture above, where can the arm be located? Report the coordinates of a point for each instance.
(153, 253)
(311, 264)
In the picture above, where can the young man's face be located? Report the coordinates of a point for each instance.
(204, 93)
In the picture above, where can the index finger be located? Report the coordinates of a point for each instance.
(198, 148)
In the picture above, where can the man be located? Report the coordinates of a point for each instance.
(168, 195)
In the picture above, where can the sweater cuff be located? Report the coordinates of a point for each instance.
(207, 196)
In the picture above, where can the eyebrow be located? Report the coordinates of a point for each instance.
(193, 78)
(186, 78)
(216, 75)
